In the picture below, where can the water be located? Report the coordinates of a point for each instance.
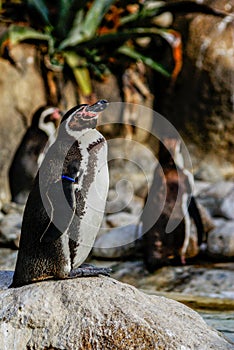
(222, 321)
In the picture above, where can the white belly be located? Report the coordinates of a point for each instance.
(94, 209)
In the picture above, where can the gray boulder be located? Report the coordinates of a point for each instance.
(7, 258)
(227, 206)
(10, 228)
(220, 242)
(98, 313)
(121, 219)
(122, 200)
(217, 197)
(214, 282)
(120, 242)
(11, 207)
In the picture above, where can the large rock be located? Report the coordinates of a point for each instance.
(220, 242)
(7, 258)
(98, 313)
(200, 104)
(11, 216)
(119, 242)
(227, 206)
(121, 219)
(123, 200)
(214, 281)
(217, 198)
(10, 228)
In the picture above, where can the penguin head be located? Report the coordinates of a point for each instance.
(83, 117)
(46, 119)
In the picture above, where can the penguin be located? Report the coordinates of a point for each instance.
(66, 205)
(169, 210)
(30, 152)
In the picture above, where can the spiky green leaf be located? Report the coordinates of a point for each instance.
(147, 11)
(65, 15)
(85, 27)
(80, 71)
(128, 51)
(118, 38)
(39, 8)
(17, 34)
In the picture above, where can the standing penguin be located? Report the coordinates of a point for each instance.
(169, 209)
(30, 152)
(65, 208)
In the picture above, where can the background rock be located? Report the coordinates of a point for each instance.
(213, 281)
(10, 228)
(220, 242)
(119, 242)
(200, 104)
(213, 197)
(227, 206)
(22, 92)
(7, 259)
(17, 105)
(11, 218)
(123, 201)
(121, 219)
(11, 207)
(98, 313)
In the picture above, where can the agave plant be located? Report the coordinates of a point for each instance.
(85, 38)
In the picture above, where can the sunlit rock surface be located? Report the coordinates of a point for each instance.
(98, 313)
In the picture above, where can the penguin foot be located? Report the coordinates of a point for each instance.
(87, 270)
(182, 259)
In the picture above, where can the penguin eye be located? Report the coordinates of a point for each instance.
(76, 117)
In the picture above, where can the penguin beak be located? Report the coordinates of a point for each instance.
(55, 117)
(51, 114)
(99, 106)
(91, 112)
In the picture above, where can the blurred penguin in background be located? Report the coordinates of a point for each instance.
(170, 211)
(31, 151)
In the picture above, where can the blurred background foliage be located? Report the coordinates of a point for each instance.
(81, 40)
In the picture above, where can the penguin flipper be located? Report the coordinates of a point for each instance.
(60, 219)
(195, 215)
(51, 234)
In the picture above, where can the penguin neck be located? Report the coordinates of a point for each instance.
(84, 137)
(85, 142)
(91, 137)
(49, 129)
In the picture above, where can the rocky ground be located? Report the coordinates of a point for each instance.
(98, 313)
(205, 283)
